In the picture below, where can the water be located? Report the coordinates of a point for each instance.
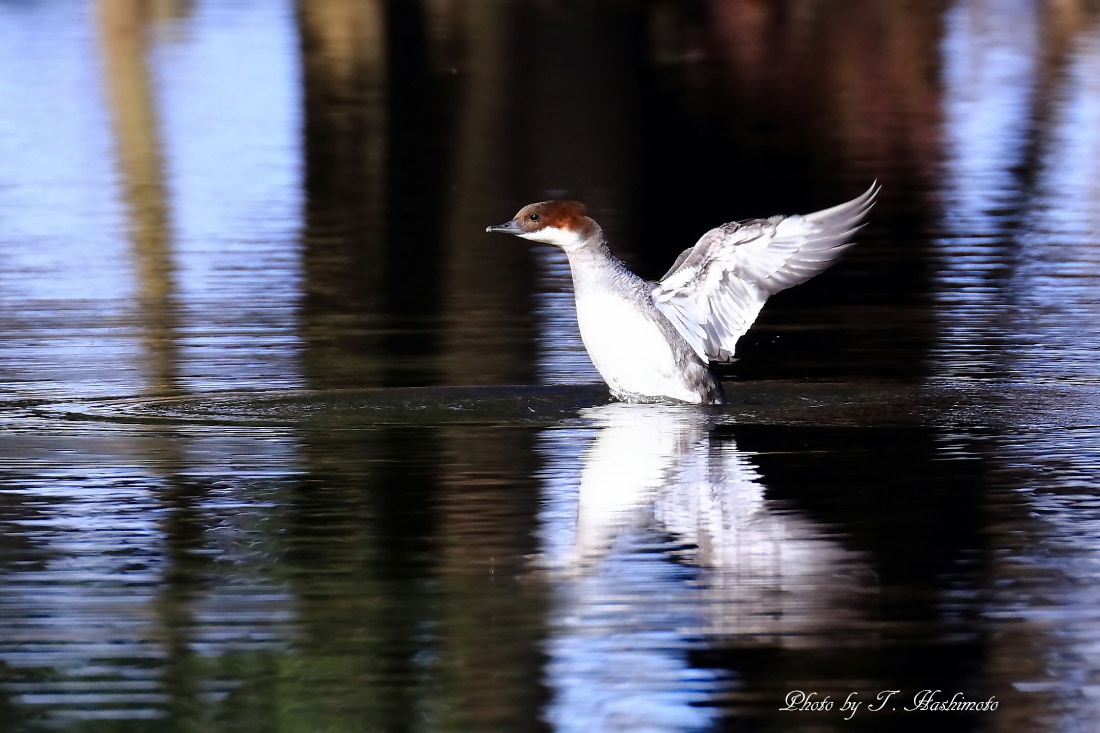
(289, 443)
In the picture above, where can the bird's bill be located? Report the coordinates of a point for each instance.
(508, 227)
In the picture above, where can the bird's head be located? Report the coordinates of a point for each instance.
(562, 223)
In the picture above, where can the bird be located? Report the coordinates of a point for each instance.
(656, 341)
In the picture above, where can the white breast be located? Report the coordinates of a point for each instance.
(628, 350)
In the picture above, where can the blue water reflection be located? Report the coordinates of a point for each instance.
(1058, 476)
(236, 254)
(63, 259)
(138, 560)
(662, 542)
(153, 199)
(1021, 208)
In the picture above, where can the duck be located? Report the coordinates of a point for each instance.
(658, 341)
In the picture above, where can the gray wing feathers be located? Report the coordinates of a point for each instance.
(716, 289)
(679, 261)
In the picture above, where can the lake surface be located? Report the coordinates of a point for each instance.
(287, 442)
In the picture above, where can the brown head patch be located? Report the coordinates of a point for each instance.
(558, 213)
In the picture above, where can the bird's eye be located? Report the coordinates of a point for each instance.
(533, 217)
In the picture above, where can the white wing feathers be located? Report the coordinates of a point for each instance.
(716, 289)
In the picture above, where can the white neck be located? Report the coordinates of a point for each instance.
(564, 238)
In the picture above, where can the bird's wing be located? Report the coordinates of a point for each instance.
(716, 289)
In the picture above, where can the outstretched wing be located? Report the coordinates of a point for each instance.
(716, 289)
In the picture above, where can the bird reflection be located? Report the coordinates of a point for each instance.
(666, 542)
(675, 471)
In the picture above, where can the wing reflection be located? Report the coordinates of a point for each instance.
(671, 543)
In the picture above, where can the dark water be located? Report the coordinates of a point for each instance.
(288, 443)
